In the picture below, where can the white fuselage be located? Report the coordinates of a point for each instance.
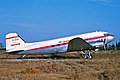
(61, 45)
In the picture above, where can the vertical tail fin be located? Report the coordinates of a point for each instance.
(13, 42)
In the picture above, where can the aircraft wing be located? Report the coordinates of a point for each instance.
(78, 44)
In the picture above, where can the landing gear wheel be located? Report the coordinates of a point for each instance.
(87, 55)
(90, 56)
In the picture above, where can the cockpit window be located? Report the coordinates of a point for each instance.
(108, 34)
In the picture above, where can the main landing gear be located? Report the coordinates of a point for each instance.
(87, 54)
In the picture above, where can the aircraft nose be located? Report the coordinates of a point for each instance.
(111, 38)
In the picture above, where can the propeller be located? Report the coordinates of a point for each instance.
(104, 44)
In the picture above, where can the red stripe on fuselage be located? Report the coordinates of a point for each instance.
(95, 38)
(47, 47)
(67, 41)
(12, 37)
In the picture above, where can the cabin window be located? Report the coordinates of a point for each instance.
(52, 45)
(64, 43)
(58, 44)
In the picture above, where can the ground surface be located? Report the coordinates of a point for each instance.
(104, 66)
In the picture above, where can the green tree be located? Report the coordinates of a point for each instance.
(1, 45)
(118, 45)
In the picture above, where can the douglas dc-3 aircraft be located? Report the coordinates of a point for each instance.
(16, 45)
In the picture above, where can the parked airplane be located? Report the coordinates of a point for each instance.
(16, 45)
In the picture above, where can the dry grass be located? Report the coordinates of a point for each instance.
(102, 67)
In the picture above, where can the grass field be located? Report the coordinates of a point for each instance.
(104, 66)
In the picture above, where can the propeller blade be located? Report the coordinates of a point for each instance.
(104, 44)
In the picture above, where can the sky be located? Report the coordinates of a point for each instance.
(38, 20)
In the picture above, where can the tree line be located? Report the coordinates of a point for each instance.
(115, 46)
